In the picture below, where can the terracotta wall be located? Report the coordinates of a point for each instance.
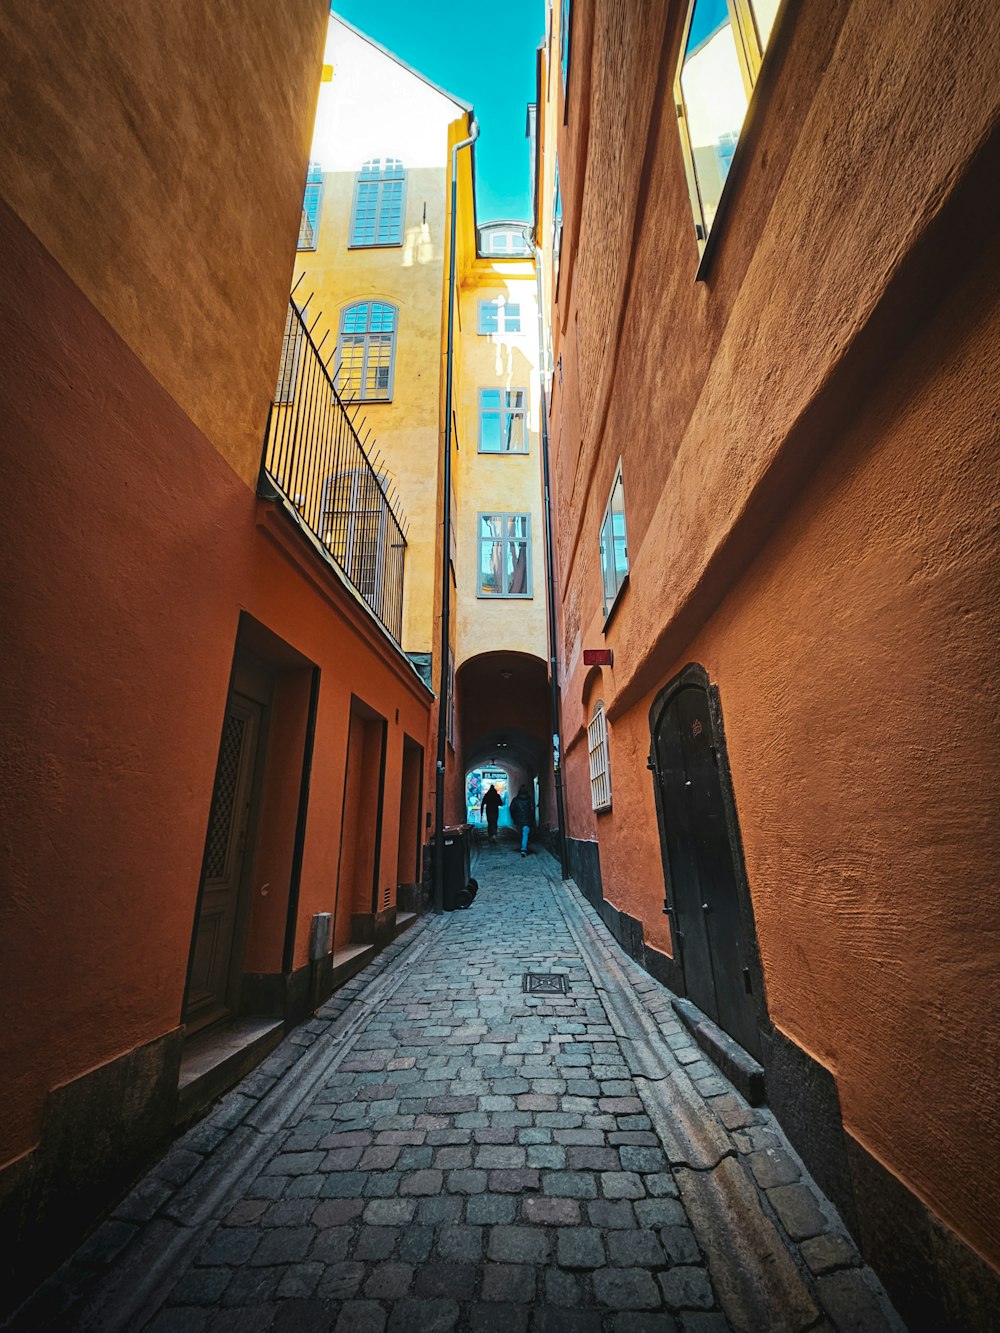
(133, 547)
(808, 446)
(159, 153)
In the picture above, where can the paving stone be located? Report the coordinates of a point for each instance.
(340, 1281)
(509, 1283)
(515, 1181)
(580, 1248)
(628, 1249)
(571, 1184)
(686, 1289)
(447, 1208)
(415, 1245)
(552, 1212)
(642, 1159)
(849, 1298)
(548, 1155)
(611, 1214)
(201, 1286)
(592, 1159)
(491, 1209)
(823, 1253)
(283, 1245)
(389, 1212)
(422, 1182)
(360, 1317)
(299, 1281)
(375, 1243)
(336, 1212)
(622, 1185)
(427, 1316)
(518, 1245)
(680, 1245)
(773, 1166)
(626, 1289)
(388, 1282)
(633, 1321)
(563, 1290)
(798, 1211)
(332, 1245)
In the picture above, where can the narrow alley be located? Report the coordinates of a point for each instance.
(499, 1124)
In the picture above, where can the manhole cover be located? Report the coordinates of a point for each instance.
(545, 983)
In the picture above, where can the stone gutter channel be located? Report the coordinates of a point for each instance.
(777, 1252)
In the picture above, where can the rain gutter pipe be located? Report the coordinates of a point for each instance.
(550, 566)
(443, 701)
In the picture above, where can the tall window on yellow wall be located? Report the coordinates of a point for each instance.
(722, 48)
(366, 352)
(311, 205)
(379, 203)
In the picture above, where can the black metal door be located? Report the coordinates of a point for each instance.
(702, 864)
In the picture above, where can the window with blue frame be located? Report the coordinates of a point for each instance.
(366, 352)
(557, 225)
(379, 204)
(614, 545)
(311, 206)
(503, 421)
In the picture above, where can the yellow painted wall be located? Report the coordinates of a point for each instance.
(494, 483)
(374, 107)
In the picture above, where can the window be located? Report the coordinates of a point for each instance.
(614, 549)
(379, 199)
(565, 20)
(503, 421)
(557, 224)
(503, 241)
(292, 343)
(355, 527)
(366, 352)
(311, 205)
(504, 555)
(597, 747)
(499, 316)
(722, 49)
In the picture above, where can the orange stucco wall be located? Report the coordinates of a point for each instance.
(808, 443)
(133, 546)
(159, 154)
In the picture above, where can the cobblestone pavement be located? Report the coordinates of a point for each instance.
(440, 1150)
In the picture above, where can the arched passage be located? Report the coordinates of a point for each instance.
(503, 720)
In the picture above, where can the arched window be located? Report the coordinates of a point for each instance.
(366, 352)
(379, 203)
(600, 771)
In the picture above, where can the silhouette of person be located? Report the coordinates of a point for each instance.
(522, 814)
(491, 803)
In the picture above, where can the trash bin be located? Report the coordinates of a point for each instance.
(457, 855)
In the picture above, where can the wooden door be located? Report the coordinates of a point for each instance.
(211, 983)
(702, 860)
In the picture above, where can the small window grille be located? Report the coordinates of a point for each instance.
(600, 772)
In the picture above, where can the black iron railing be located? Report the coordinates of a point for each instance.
(315, 457)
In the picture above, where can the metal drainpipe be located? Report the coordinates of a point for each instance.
(550, 566)
(442, 736)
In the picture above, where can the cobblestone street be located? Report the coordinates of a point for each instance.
(439, 1149)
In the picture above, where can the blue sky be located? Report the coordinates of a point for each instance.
(487, 58)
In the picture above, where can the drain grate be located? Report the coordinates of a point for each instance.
(545, 983)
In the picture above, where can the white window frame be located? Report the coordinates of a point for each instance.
(501, 331)
(376, 177)
(504, 411)
(599, 756)
(480, 539)
(751, 47)
(312, 208)
(366, 336)
(606, 545)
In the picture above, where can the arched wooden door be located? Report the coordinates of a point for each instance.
(701, 860)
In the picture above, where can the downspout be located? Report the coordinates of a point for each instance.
(550, 566)
(442, 736)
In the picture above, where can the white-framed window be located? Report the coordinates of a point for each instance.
(312, 204)
(292, 344)
(498, 315)
(504, 555)
(379, 204)
(565, 24)
(366, 352)
(721, 52)
(557, 225)
(503, 421)
(597, 749)
(614, 545)
(355, 526)
(503, 241)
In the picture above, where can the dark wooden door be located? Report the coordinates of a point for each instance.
(702, 863)
(211, 980)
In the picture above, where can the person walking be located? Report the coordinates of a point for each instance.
(522, 813)
(491, 804)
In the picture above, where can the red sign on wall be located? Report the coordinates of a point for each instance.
(598, 657)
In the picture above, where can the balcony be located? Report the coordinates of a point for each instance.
(315, 460)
